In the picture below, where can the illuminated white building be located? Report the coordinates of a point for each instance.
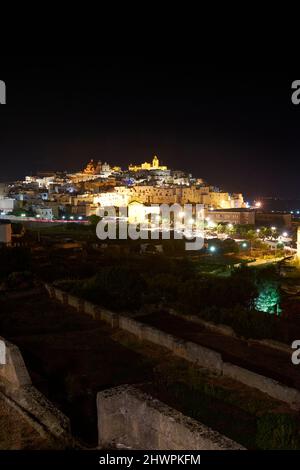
(111, 199)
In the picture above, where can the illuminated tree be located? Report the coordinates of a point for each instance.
(269, 299)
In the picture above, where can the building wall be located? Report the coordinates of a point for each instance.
(7, 204)
(271, 218)
(233, 217)
(5, 233)
(181, 195)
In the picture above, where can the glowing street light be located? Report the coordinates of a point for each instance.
(230, 226)
(244, 245)
(285, 234)
(258, 230)
(258, 204)
(212, 249)
(71, 218)
(273, 229)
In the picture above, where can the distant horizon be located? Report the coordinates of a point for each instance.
(238, 132)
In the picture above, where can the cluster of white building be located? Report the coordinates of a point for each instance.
(81, 194)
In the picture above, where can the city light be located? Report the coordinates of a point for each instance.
(212, 249)
(274, 229)
(244, 245)
(258, 204)
(285, 234)
(258, 230)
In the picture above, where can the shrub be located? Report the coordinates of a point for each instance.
(114, 287)
(277, 432)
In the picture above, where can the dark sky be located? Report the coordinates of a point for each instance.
(238, 131)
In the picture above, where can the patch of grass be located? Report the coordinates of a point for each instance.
(246, 416)
(278, 432)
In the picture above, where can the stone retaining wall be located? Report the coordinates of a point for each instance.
(14, 371)
(228, 331)
(132, 419)
(16, 387)
(195, 353)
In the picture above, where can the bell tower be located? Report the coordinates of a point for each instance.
(155, 162)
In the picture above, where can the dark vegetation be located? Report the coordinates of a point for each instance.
(253, 420)
(127, 281)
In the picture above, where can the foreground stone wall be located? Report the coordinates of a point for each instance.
(195, 353)
(127, 417)
(17, 389)
(14, 371)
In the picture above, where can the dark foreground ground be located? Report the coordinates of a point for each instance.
(71, 357)
(16, 433)
(256, 357)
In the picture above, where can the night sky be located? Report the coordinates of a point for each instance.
(236, 131)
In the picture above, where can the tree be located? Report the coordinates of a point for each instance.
(268, 300)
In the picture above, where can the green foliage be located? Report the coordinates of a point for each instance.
(269, 299)
(118, 288)
(245, 322)
(94, 219)
(163, 286)
(219, 292)
(278, 432)
(230, 246)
